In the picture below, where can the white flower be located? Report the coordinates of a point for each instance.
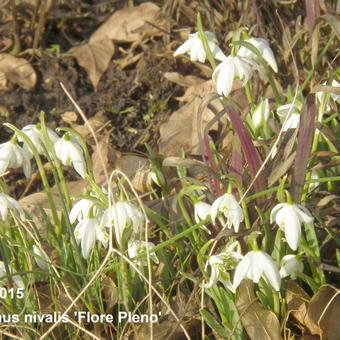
(289, 218)
(81, 209)
(34, 133)
(290, 265)
(194, 47)
(137, 252)
(14, 156)
(264, 49)
(123, 215)
(40, 258)
(87, 231)
(294, 115)
(70, 152)
(229, 207)
(221, 263)
(16, 278)
(257, 264)
(202, 211)
(334, 96)
(231, 68)
(7, 202)
(261, 114)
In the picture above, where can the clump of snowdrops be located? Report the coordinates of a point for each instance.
(215, 238)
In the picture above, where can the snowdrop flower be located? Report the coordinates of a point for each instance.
(221, 263)
(81, 209)
(70, 152)
(7, 202)
(16, 278)
(14, 156)
(201, 211)
(290, 265)
(294, 115)
(194, 47)
(261, 114)
(34, 133)
(137, 252)
(334, 96)
(231, 67)
(264, 49)
(257, 264)
(87, 231)
(40, 258)
(289, 218)
(123, 215)
(230, 209)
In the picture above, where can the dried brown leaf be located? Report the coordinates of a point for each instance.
(324, 311)
(129, 24)
(258, 322)
(17, 71)
(181, 130)
(334, 22)
(181, 80)
(94, 57)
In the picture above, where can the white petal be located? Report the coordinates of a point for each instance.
(242, 270)
(271, 271)
(275, 210)
(88, 238)
(292, 231)
(184, 48)
(223, 76)
(304, 215)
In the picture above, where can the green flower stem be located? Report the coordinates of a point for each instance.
(317, 62)
(125, 284)
(184, 233)
(249, 93)
(42, 174)
(276, 300)
(56, 163)
(187, 217)
(204, 40)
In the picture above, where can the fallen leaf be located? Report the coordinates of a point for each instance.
(110, 293)
(17, 71)
(135, 167)
(182, 80)
(258, 322)
(129, 24)
(94, 57)
(324, 311)
(297, 305)
(181, 131)
(96, 122)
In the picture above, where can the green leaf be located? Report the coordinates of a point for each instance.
(214, 324)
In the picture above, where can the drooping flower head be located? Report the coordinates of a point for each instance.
(201, 211)
(16, 278)
(290, 266)
(123, 215)
(137, 252)
(289, 216)
(230, 68)
(257, 264)
(227, 206)
(194, 47)
(40, 258)
(69, 151)
(263, 48)
(14, 156)
(261, 114)
(6, 203)
(87, 231)
(294, 115)
(34, 133)
(221, 264)
(81, 209)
